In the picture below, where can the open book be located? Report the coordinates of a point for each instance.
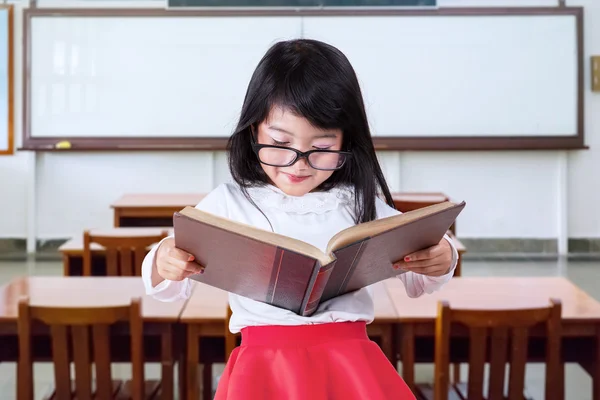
(294, 275)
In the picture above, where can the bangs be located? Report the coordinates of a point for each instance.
(309, 87)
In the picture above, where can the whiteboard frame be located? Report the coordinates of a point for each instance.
(443, 143)
(8, 130)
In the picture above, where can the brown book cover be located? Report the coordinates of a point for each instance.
(294, 275)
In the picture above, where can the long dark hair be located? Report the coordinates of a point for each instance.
(314, 80)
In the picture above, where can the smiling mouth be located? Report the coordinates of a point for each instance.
(297, 177)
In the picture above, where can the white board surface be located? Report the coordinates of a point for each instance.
(420, 75)
(154, 77)
(4, 82)
(461, 75)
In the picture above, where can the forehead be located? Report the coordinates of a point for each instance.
(288, 123)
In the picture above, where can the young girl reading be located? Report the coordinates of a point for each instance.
(304, 165)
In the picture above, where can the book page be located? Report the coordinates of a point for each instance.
(372, 228)
(271, 238)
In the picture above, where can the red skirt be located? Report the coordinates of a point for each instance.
(334, 361)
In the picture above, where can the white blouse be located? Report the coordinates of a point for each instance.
(313, 218)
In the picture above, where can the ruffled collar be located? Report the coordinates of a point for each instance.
(270, 196)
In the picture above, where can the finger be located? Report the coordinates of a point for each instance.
(420, 265)
(187, 266)
(432, 270)
(175, 274)
(179, 254)
(425, 254)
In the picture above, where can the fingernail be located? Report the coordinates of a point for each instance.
(407, 258)
(191, 258)
(202, 271)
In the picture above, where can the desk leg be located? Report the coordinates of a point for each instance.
(408, 354)
(387, 344)
(66, 265)
(182, 362)
(117, 218)
(167, 363)
(193, 359)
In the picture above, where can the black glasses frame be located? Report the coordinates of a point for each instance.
(299, 154)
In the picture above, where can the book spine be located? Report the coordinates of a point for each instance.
(290, 275)
(315, 289)
(355, 260)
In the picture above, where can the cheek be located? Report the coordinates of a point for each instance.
(270, 171)
(322, 176)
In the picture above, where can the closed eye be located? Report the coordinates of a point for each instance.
(278, 143)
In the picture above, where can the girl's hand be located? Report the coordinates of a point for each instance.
(173, 264)
(433, 261)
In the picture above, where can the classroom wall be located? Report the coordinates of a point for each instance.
(509, 194)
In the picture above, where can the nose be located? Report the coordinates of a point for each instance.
(301, 164)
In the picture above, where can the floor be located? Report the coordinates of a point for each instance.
(585, 273)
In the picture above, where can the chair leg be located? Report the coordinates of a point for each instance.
(207, 381)
(456, 373)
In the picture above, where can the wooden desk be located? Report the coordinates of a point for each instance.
(156, 209)
(151, 209)
(580, 318)
(461, 249)
(160, 318)
(205, 313)
(72, 250)
(408, 201)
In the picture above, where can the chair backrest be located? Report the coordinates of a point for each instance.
(70, 337)
(124, 250)
(504, 336)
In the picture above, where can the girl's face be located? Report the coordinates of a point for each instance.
(283, 128)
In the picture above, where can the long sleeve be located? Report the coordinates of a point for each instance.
(417, 284)
(215, 202)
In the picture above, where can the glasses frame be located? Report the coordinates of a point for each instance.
(256, 147)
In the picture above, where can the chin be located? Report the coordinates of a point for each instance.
(296, 189)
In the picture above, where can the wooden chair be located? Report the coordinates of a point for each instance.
(125, 251)
(70, 336)
(498, 329)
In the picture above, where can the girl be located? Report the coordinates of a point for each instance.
(304, 166)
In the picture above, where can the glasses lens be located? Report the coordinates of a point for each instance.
(327, 160)
(274, 156)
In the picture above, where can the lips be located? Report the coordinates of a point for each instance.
(297, 178)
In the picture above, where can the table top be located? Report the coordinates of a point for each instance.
(60, 291)
(496, 293)
(206, 304)
(75, 244)
(209, 304)
(420, 197)
(158, 200)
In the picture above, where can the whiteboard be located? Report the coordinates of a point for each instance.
(145, 76)
(461, 75)
(5, 98)
(421, 75)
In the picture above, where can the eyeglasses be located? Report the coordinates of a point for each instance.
(278, 156)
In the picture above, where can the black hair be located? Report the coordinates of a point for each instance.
(313, 80)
